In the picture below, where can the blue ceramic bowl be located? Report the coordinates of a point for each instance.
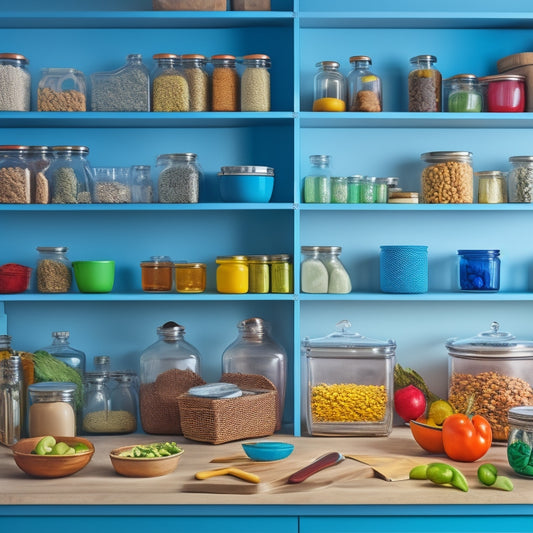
(246, 188)
(268, 450)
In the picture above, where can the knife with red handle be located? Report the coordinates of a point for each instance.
(322, 462)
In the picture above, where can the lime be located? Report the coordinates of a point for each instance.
(80, 447)
(61, 448)
(439, 410)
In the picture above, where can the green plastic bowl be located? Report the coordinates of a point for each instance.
(94, 276)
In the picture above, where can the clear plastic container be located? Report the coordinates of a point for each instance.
(225, 85)
(479, 270)
(364, 87)
(54, 270)
(520, 179)
(255, 83)
(190, 277)
(491, 187)
(194, 68)
(424, 84)
(170, 90)
(70, 175)
(329, 87)
(179, 178)
(317, 188)
(232, 274)
(111, 185)
(520, 440)
(156, 274)
(15, 83)
(462, 94)
(142, 189)
(62, 89)
(39, 159)
(124, 89)
(349, 384)
(15, 175)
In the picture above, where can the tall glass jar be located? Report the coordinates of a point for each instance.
(15, 175)
(225, 89)
(329, 87)
(194, 68)
(354, 189)
(424, 84)
(39, 159)
(259, 273)
(54, 269)
(281, 274)
(462, 94)
(168, 367)
(62, 350)
(11, 400)
(339, 189)
(491, 186)
(70, 175)
(170, 90)
(364, 87)
(179, 179)
(142, 191)
(255, 83)
(254, 351)
(313, 271)
(317, 180)
(95, 414)
(338, 279)
(520, 179)
(15, 83)
(62, 89)
(368, 190)
(123, 402)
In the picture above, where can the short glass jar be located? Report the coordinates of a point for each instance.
(259, 274)
(317, 180)
(15, 83)
(491, 187)
(424, 84)
(15, 175)
(382, 190)
(190, 277)
(179, 178)
(170, 90)
(520, 179)
(364, 87)
(368, 190)
(329, 87)
(255, 83)
(504, 93)
(156, 274)
(339, 189)
(62, 89)
(479, 270)
(194, 68)
(54, 269)
(225, 83)
(232, 274)
(520, 440)
(281, 274)
(462, 94)
(111, 185)
(95, 403)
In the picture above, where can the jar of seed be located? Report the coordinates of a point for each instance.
(521, 179)
(194, 68)
(225, 83)
(15, 83)
(259, 274)
(62, 89)
(15, 175)
(170, 90)
(424, 84)
(368, 190)
(54, 270)
(492, 187)
(39, 159)
(179, 179)
(339, 189)
(255, 83)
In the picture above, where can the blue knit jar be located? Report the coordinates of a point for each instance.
(404, 269)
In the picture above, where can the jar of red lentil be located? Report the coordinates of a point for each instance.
(190, 277)
(225, 88)
(232, 274)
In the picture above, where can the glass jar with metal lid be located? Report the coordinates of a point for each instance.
(520, 441)
(12, 399)
(39, 159)
(495, 369)
(317, 187)
(323, 272)
(156, 274)
(225, 83)
(15, 83)
(54, 269)
(339, 189)
(520, 179)
(350, 383)
(70, 175)
(15, 175)
(62, 350)
(281, 274)
(95, 414)
(123, 401)
(179, 178)
(194, 68)
(232, 274)
(462, 94)
(190, 277)
(329, 87)
(338, 278)
(448, 178)
(62, 89)
(170, 90)
(504, 93)
(259, 274)
(424, 84)
(255, 83)
(491, 187)
(364, 87)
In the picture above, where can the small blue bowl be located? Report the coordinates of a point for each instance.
(246, 184)
(268, 450)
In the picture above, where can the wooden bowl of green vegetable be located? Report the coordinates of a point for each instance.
(146, 460)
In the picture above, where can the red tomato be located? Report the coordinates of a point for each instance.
(466, 439)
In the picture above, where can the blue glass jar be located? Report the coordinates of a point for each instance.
(479, 270)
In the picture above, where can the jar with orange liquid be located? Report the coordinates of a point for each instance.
(156, 274)
(190, 277)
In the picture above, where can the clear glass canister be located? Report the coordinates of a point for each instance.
(479, 270)
(424, 84)
(317, 187)
(255, 351)
(70, 175)
(225, 84)
(96, 395)
(329, 87)
(124, 89)
(142, 190)
(349, 384)
(338, 279)
(520, 179)
(15, 83)
(168, 367)
(281, 274)
(364, 87)
(259, 274)
(495, 369)
(62, 350)
(156, 274)
(190, 277)
(339, 189)
(504, 93)
(39, 159)
(179, 179)
(491, 187)
(520, 441)
(232, 274)
(255, 83)
(11, 399)
(54, 269)
(52, 409)
(448, 178)
(15, 175)
(194, 68)
(123, 401)
(170, 90)
(111, 185)
(313, 272)
(462, 94)
(62, 89)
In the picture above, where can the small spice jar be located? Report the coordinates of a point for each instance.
(317, 180)
(491, 187)
(504, 93)
(479, 270)
(156, 274)
(194, 68)
(15, 175)
(382, 190)
(329, 87)
(62, 89)
(424, 84)
(520, 440)
(364, 87)
(179, 178)
(142, 190)
(39, 159)
(339, 189)
(225, 84)
(255, 83)
(15, 83)
(259, 274)
(281, 274)
(232, 274)
(368, 190)
(170, 90)
(190, 277)
(462, 94)
(54, 270)
(520, 179)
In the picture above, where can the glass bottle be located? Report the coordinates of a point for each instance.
(255, 83)
(492, 187)
(54, 270)
(317, 180)
(254, 351)
(142, 191)
(39, 159)
(170, 90)
(15, 83)
(123, 402)
(338, 279)
(168, 367)
(194, 68)
(225, 84)
(11, 400)
(259, 273)
(424, 84)
(15, 175)
(329, 87)
(462, 94)
(232, 274)
(364, 87)
(95, 414)
(314, 274)
(62, 350)
(179, 179)
(61, 89)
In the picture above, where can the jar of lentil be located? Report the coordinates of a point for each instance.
(492, 187)
(15, 83)
(190, 277)
(520, 440)
(255, 83)
(339, 189)
(317, 187)
(111, 185)
(462, 94)
(329, 87)
(281, 274)
(364, 87)
(170, 90)
(54, 270)
(61, 89)
(520, 179)
(39, 159)
(179, 178)
(232, 274)
(225, 85)
(350, 384)
(448, 178)
(70, 175)
(194, 68)
(15, 175)
(156, 274)
(259, 274)
(424, 84)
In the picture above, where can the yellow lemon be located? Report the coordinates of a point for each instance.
(439, 410)
(329, 104)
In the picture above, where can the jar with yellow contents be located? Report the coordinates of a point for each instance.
(232, 274)
(190, 277)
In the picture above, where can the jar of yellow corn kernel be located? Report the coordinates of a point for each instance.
(350, 384)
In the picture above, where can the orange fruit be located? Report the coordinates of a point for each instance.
(428, 437)
(329, 104)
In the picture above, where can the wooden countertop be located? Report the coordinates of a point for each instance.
(98, 484)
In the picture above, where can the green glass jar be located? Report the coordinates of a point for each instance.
(281, 274)
(354, 189)
(259, 274)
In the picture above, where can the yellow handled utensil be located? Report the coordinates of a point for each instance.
(237, 472)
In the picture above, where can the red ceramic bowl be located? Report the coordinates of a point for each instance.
(14, 278)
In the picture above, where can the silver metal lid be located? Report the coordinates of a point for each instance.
(416, 59)
(246, 170)
(52, 391)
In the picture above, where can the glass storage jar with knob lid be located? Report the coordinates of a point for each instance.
(15, 83)
(54, 270)
(15, 175)
(424, 84)
(329, 87)
(364, 87)
(62, 89)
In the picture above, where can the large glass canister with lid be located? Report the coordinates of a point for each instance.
(194, 68)
(170, 90)
(348, 384)
(225, 83)
(255, 83)
(15, 83)
(317, 179)
(462, 94)
(494, 369)
(364, 87)
(62, 89)
(15, 175)
(54, 269)
(329, 87)
(424, 84)
(39, 159)
(255, 351)
(168, 367)
(520, 179)
(447, 178)
(179, 178)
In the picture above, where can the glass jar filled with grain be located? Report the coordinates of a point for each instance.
(194, 68)
(170, 90)
(54, 270)
(364, 87)
(61, 89)
(70, 175)
(179, 178)
(255, 83)
(15, 175)
(225, 90)
(39, 159)
(424, 84)
(491, 187)
(520, 179)
(15, 83)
